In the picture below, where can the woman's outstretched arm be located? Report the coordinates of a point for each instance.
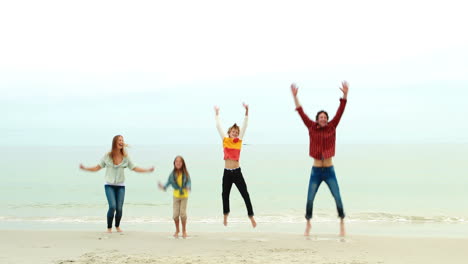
(137, 169)
(95, 168)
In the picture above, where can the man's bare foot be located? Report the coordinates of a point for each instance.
(342, 229)
(176, 234)
(252, 220)
(109, 230)
(307, 230)
(118, 229)
(225, 219)
(184, 234)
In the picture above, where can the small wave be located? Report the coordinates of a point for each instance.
(77, 205)
(367, 217)
(400, 218)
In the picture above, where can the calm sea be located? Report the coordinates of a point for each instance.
(386, 189)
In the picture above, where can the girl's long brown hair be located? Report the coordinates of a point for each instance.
(183, 169)
(114, 147)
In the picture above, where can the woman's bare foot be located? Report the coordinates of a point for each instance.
(342, 229)
(176, 234)
(118, 229)
(109, 230)
(225, 219)
(307, 230)
(252, 220)
(184, 234)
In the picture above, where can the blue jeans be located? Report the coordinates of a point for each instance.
(318, 175)
(115, 197)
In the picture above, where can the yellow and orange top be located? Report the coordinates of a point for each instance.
(231, 146)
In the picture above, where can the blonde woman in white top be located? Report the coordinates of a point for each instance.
(115, 162)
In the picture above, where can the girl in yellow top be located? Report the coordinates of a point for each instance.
(179, 179)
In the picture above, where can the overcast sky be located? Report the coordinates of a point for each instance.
(79, 72)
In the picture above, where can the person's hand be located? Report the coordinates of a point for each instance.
(246, 106)
(344, 88)
(151, 169)
(294, 89)
(82, 167)
(161, 187)
(216, 108)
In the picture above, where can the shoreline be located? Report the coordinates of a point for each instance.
(371, 229)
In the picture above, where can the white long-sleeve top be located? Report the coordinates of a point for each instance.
(224, 134)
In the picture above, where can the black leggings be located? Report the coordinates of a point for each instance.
(230, 177)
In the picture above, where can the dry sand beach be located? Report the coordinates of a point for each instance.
(248, 247)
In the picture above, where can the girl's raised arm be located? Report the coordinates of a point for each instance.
(221, 132)
(246, 119)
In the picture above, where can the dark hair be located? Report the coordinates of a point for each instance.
(183, 169)
(319, 112)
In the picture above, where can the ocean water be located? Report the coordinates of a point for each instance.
(386, 189)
